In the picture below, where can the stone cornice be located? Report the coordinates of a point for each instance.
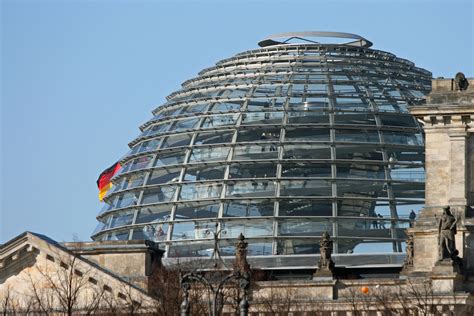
(15, 248)
(116, 246)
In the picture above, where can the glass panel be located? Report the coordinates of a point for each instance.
(155, 232)
(177, 140)
(349, 104)
(262, 118)
(265, 103)
(311, 104)
(265, 90)
(305, 208)
(201, 173)
(307, 134)
(157, 213)
(307, 117)
(390, 107)
(141, 163)
(253, 249)
(251, 188)
(195, 249)
(405, 210)
(169, 158)
(209, 153)
(147, 145)
(355, 204)
(220, 120)
(297, 246)
(252, 228)
(298, 88)
(121, 218)
(124, 168)
(306, 151)
(371, 227)
(226, 106)
(254, 170)
(120, 235)
(127, 199)
(360, 170)
(305, 188)
(403, 138)
(407, 174)
(357, 135)
(214, 138)
(133, 181)
(197, 191)
(156, 129)
(408, 190)
(164, 175)
(197, 108)
(248, 208)
(197, 210)
(305, 170)
(251, 135)
(317, 87)
(369, 246)
(234, 93)
(382, 208)
(256, 152)
(182, 125)
(368, 188)
(163, 194)
(359, 152)
(306, 227)
(354, 118)
(341, 88)
(398, 120)
(117, 186)
(414, 156)
(166, 113)
(193, 230)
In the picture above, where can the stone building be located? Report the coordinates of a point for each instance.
(425, 285)
(303, 227)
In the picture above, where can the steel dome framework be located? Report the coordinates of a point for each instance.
(280, 143)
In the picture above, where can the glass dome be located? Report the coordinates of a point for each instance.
(280, 143)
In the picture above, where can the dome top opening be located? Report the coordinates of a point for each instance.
(312, 37)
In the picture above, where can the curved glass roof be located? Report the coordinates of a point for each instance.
(280, 143)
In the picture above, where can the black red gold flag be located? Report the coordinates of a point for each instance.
(103, 182)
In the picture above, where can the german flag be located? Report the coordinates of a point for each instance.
(103, 182)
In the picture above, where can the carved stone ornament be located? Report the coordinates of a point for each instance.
(461, 82)
(241, 263)
(447, 230)
(410, 252)
(325, 248)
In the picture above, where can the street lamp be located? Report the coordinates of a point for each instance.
(241, 274)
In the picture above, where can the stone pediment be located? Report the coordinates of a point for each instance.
(33, 262)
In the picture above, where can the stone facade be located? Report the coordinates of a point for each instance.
(427, 285)
(39, 275)
(134, 260)
(447, 118)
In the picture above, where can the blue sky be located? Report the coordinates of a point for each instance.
(79, 77)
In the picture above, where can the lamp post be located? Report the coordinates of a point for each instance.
(241, 274)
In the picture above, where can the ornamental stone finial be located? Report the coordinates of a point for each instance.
(325, 248)
(325, 265)
(241, 263)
